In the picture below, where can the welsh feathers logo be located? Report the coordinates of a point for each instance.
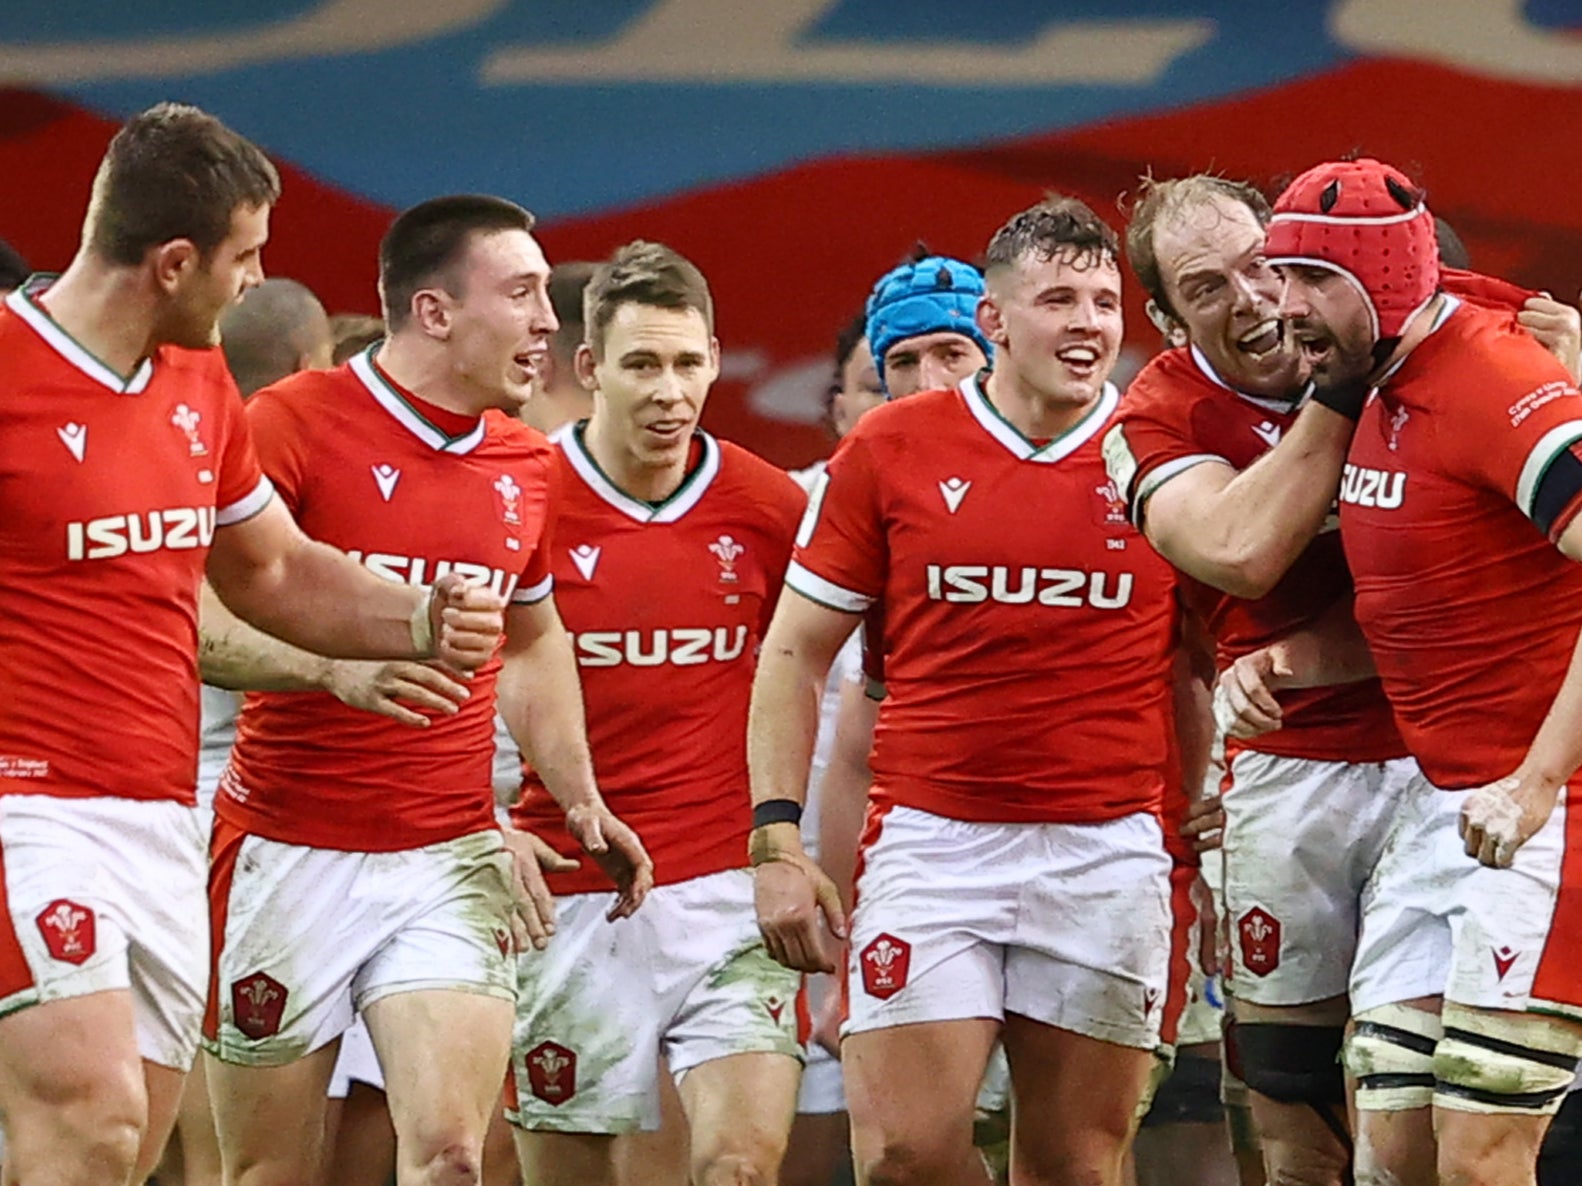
(727, 551)
(187, 421)
(510, 500)
(886, 963)
(68, 930)
(552, 1072)
(258, 1003)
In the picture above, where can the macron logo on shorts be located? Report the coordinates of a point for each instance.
(886, 963)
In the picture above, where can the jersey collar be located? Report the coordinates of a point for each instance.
(1452, 303)
(389, 397)
(24, 303)
(686, 496)
(1268, 405)
(1062, 446)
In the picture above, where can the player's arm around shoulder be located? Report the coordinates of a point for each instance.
(540, 697)
(791, 893)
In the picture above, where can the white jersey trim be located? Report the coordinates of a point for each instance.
(1283, 406)
(1149, 484)
(535, 593)
(409, 417)
(1001, 429)
(816, 588)
(687, 495)
(23, 302)
(1553, 443)
(247, 506)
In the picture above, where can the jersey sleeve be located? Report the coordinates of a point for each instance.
(841, 556)
(1527, 448)
(537, 581)
(784, 503)
(242, 489)
(282, 451)
(1151, 443)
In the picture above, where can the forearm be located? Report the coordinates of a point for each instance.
(232, 654)
(782, 723)
(1246, 536)
(843, 795)
(1330, 651)
(317, 598)
(540, 698)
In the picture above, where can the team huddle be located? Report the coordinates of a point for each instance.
(1006, 642)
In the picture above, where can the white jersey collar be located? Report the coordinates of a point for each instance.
(24, 303)
(390, 398)
(1062, 446)
(686, 496)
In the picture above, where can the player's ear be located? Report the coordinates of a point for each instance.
(990, 320)
(583, 363)
(172, 261)
(431, 312)
(1173, 331)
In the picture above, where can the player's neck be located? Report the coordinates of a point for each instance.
(1033, 413)
(649, 483)
(1419, 327)
(108, 311)
(424, 369)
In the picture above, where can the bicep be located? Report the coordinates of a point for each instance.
(1174, 511)
(527, 624)
(243, 550)
(809, 629)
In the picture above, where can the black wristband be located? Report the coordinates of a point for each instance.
(1346, 398)
(776, 811)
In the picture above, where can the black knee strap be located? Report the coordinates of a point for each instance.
(1291, 1064)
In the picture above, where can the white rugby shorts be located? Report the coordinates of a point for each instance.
(1066, 924)
(308, 936)
(687, 976)
(107, 893)
(1302, 840)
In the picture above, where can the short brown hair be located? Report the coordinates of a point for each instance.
(642, 273)
(424, 245)
(1159, 200)
(174, 172)
(1055, 225)
(567, 283)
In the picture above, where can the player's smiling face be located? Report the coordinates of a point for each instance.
(1329, 321)
(1222, 289)
(209, 285)
(500, 318)
(651, 379)
(1058, 321)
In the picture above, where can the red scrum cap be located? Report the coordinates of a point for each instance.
(1367, 221)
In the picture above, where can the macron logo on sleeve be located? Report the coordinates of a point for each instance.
(75, 438)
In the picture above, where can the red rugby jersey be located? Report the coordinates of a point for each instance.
(1178, 413)
(412, 492)
(110, 492)
(1028, 628)
(1470, 612)
(667, 605)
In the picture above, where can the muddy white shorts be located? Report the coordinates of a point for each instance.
(107, 893)
(307, 936)
(1302, 839)
(1437, 922)
(687, 976)
(1066, 924)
